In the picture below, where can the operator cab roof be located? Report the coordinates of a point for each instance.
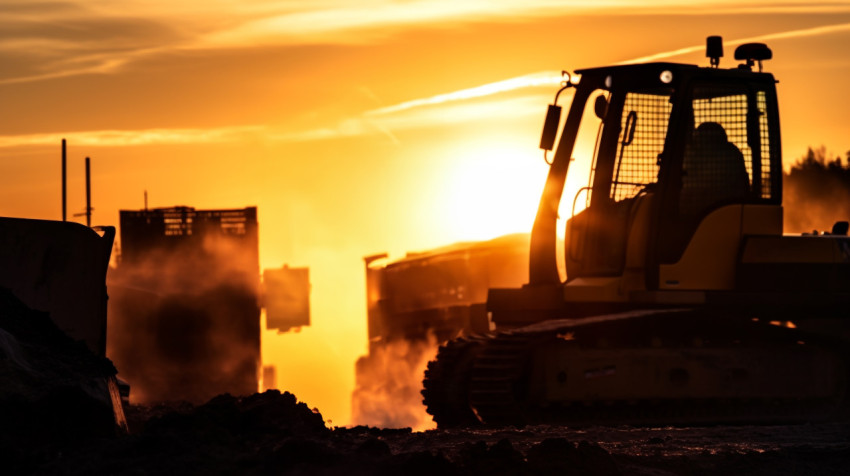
(670, 74)
(661, 75)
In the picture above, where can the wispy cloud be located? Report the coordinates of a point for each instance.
(347, 22)
(344, 22)
(47, 40)
(102, 63)
(784, 35)
(388, 122)
(74, 37)
(364, 125)
(452, 107)
(119, 138)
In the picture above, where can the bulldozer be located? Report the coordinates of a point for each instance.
(683, 301)
(416, 302)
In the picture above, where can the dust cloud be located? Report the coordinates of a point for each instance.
(184, 321)
(389, 385)
(816, 192)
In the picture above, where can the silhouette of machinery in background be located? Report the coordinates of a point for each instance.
(417, 302)
(441, 291)
(185, 301)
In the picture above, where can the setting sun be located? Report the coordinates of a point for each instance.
(492, 189)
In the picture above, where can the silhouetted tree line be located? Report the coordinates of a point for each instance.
(816, 191)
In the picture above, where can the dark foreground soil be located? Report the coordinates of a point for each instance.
(273, 433)
(56, 417)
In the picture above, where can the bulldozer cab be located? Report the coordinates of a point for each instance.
(674, 144)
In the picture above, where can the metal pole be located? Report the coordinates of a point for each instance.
(64, 182)
(88, 192)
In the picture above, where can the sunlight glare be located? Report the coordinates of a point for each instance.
(493, 190)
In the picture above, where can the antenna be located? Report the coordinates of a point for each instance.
(64, 182)
(89, 208)
(88, 192)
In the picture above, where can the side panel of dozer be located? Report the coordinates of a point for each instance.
(592, 375)
(59, 268)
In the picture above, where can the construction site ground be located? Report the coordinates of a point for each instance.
(273, 433)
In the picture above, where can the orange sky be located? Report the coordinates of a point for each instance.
(344, 124)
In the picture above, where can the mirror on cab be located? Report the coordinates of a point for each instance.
(600, 107)
(550, 127)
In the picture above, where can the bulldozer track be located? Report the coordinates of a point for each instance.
(496, 386)
(445, 386)
(493, 377)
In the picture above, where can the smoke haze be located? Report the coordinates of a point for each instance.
(816, 192)
(389, 385)
(184, 322)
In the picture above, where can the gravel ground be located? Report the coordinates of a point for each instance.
(769, 450)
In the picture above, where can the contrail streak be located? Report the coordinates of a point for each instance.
(553, 78)
(520, 82)
(815, 31)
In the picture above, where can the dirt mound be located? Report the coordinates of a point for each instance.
(271, 414)
(274, 433)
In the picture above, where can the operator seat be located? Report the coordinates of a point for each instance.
(713, 171)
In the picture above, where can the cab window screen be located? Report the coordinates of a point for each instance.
(640, 143)
(718, 162)
(767, 152)
(729, 109)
